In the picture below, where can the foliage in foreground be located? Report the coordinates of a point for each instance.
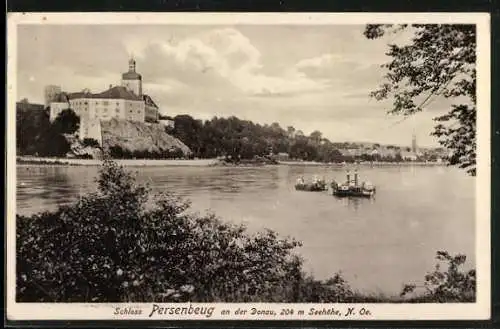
(439, 61)
(452, 285)
(112, 245)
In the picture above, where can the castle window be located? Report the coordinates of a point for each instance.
(105, 102)
(86, 103)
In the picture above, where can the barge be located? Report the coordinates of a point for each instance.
(318, 185)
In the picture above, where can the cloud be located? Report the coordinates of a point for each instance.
(342, 72)
(218, 59)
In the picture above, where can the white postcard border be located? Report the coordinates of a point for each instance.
(75, 311)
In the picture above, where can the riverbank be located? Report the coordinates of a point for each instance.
(122, 162)
(373, 164)
(199, 162)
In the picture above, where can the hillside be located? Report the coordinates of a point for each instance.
(139, 136)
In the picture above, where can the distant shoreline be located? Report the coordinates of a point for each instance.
(30, 160)
(124, 162)
(374, 164)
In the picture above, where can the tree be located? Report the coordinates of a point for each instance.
(316, 136)
(452, 285)
(66, 122)
(440, 60)
(31, 127)
(187, 129)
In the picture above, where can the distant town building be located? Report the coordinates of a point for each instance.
(409, 156)
(126, 102)
(282, 156)
(414, 143)
(351, 152)
(50, 93)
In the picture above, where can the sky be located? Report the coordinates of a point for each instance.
(310, 77)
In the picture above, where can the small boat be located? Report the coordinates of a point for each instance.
(312, 187)
(317, 185)
(352, 188)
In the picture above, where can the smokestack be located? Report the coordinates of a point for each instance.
(356, 177)
(348, 176)
(110, 86)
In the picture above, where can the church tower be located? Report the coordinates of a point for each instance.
(414, 143)
(131, 79)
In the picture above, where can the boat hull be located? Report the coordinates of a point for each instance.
(353, 192)
(343, 194)
(310, 187)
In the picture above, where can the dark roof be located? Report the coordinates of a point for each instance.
(80, 95)
(130, 75)
(149, 101)
(117, 92)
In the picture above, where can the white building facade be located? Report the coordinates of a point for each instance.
(125, 102)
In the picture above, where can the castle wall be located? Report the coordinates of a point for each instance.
(91, 128)
(151, 114)
(56, 108)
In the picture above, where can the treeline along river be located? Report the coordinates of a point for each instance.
(378, 244)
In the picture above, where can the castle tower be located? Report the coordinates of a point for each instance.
(131, 79)
(50, 93)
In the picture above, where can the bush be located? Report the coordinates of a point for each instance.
(66, 122)
(108, 247)
(452, 285)
(90, 142)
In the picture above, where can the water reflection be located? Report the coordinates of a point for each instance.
(354, 203)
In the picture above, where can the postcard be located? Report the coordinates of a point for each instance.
(237, 166)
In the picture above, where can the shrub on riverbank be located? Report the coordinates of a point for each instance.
(110, 246)
(452, 285)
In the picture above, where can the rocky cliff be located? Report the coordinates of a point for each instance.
(77, 149)
(139, 136)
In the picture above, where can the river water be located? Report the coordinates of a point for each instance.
(377, 244)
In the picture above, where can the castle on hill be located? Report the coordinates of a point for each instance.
(124, 102)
